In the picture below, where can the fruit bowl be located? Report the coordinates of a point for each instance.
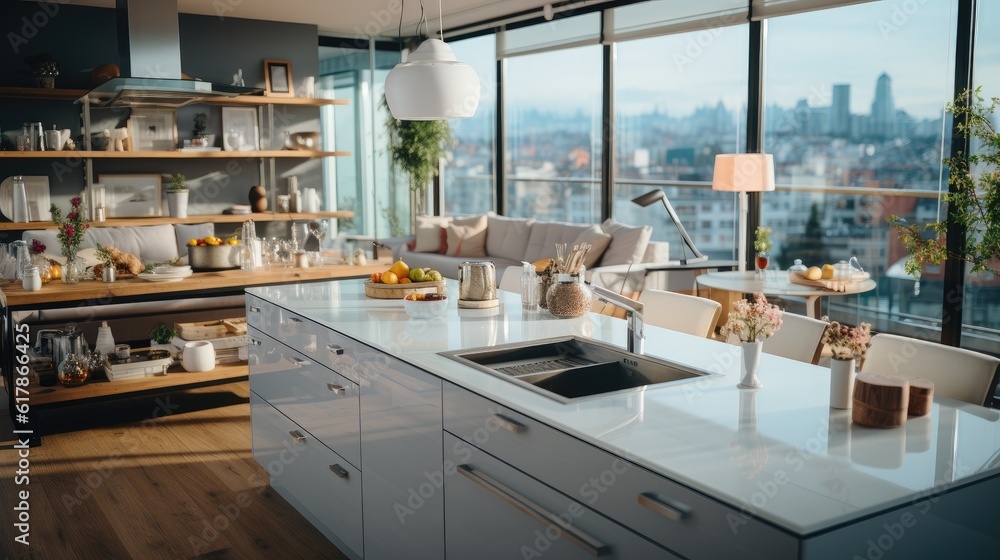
(218, 257)
(425, 306)
(380, 290)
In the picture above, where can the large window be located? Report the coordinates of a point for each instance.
(468, 175)
(553, 126)
(855, 119)
(679, 101)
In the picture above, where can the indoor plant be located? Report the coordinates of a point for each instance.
(848, 344)
(198, 136)
(45, 68)
(762, 248)
(416, 148)
(752, 323)
(161, 338)
(70, 234)
(177, 196)
(974, 198)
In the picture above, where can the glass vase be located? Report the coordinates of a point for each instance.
(44, 268)
(569, 297)
(71, 270)
(73, 371)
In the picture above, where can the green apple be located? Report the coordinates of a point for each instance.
(434, 276)
(417, 275)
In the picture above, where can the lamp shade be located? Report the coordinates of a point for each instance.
(432, 85)
(743, 173)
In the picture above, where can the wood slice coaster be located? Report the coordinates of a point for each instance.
(478, 303)
(880, 401)
(921, 396)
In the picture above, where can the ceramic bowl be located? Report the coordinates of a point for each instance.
(434, 306)
(199, 355)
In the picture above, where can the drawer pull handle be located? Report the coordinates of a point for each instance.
(254, 309)
(297, 436)
(336, 349)
(671, 509)
(339, 471)
(509, 424)
(299, 362)
(255, 342)
(589, 544)
(338, 389)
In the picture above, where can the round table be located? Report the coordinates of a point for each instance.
(776, 284)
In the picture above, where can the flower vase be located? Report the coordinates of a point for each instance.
(842, 374)
(748, 367)
(71, 270)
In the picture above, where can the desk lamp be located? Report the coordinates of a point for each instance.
(650, 198)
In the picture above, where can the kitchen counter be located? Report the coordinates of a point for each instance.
(779, 452)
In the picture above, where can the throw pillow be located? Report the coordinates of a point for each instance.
(628, 243)
(467, 240)
(599, 241)
(428, 233)
(507, 238)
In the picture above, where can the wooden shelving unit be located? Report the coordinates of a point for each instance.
(54, 94)
(171, 154)
(176, 376)
(199, 219)
(258, 100)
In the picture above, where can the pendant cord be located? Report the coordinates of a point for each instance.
(441, 21)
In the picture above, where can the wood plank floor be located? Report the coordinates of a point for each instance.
(176, 481)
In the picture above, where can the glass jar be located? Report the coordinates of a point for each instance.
(31, 282)
(73, 371)
(44, 268)
(569, 296)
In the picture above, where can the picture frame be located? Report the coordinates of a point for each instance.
(240, 132)
(153, 129)
(278, 78)
(131, 196)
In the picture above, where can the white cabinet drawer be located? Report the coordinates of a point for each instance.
(671, 514)
(321, 344)
(493, 511)
(317, 399)
(323, 486)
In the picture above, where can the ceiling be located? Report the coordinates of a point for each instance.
(353, 18)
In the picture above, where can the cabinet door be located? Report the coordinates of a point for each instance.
(319, 400)
(494, 511)
(401, 452)
(320, 484)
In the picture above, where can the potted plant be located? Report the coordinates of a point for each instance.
(45, 68)
(108, 271)
(752, 323)
(848, 345)
(177, 196)
(198, 136)
(416, 148)
(974, 200)
(161, 338)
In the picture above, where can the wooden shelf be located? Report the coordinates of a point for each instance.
(257, 100)
(198, 219)
(42, 93)
(176, 376)
(171, 154)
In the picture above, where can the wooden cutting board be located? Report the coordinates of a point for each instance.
(797, 277)
(205, 330)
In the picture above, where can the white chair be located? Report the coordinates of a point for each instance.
(510, 281)
(957, 373)
(680, 312)
(797, 339)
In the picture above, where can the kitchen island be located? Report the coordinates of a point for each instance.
(394, 450)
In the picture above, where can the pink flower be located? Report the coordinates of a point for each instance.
(68, 230)
(72, 216)
(75, 201)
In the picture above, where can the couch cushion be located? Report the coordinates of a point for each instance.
(598, 240)
(149, 243)
(545, 235)
(467, 238)
(628, 243)
(428, 233)
(507, 238)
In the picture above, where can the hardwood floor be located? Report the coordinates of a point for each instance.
(179, 484)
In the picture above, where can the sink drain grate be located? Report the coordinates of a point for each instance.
(543, 367)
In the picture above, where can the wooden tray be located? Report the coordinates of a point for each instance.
(797, 277)
(399, 291)
(212, 329)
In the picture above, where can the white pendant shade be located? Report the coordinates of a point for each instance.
(432, 85)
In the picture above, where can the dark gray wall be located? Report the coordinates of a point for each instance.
(212, 49)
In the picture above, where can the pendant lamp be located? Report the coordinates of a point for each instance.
(432, 85)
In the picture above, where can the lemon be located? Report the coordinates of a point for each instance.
(814, 273)
(390, 277)
(192, 242)
(827, 271)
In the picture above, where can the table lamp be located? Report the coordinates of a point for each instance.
(651, 198)
(743, 173)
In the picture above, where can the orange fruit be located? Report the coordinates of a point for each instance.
(192, 242)
(389, 277)
(376, 277)
(404, 280)
(400, 269)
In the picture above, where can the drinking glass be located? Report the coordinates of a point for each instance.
(762, 261)
(318, 230)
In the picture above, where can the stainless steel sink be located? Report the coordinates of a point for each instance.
(571, 368)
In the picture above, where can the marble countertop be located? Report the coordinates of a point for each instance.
(779, 452)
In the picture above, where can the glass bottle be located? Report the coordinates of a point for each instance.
(73, 371)
(569, 296)
(31, 282)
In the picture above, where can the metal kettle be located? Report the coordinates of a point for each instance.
(477, 284)
(60, 344)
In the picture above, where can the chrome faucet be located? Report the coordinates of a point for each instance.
(633, 315)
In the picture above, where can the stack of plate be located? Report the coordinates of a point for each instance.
(166, 274)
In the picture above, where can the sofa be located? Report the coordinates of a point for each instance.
(617, 261)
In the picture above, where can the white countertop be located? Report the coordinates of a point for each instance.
(779, 452)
